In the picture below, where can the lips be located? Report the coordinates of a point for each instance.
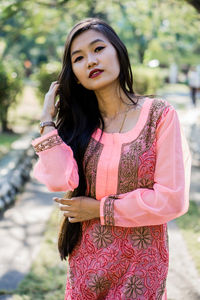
(95, 73)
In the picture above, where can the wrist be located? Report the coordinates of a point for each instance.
(46, 118)
(97, 209)
(46, 124)
(47, 129)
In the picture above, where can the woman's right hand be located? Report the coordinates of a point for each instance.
(50, 108)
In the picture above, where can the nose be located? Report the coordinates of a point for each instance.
(92, 61)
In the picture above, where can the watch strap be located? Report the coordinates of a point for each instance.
(47, 123)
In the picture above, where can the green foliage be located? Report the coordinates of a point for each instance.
(166, 30)
(147, 80)
(10, 86)
(36, 30)
(45, 75)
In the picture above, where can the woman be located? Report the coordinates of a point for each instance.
(123, 158)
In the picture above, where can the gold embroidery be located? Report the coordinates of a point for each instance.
(108, 211)
(137, 162)
(131, 153)
(48, 143)
(90, 162)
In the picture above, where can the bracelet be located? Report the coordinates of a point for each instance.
(44, 124)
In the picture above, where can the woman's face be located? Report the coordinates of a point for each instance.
(94, 60)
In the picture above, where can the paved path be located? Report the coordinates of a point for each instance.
(21, 231)
(22, 227)
(183, 280)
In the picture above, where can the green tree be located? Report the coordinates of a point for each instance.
(10, 87)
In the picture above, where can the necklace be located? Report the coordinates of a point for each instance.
(123, 121)
(138, 106)
(125, 115)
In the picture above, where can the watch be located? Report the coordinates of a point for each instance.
(44, 124)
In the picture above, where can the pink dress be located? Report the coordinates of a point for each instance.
(142, 179)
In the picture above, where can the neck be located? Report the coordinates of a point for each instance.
(110, 100)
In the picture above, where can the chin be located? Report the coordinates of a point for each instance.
(101, 85)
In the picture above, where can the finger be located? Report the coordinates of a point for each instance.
(57, 104)
(69, 214)
(66, 201)
(53, 88)
(65, 207)
(73, 220)
(56, 199)
(54, 82)
(63, 201)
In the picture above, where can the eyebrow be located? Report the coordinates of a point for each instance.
(93, 42)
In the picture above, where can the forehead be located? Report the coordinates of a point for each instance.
(85, 38)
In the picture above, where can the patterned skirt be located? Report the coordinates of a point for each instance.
(118, 263)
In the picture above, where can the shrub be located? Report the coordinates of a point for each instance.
(44, 77)
(10, 86)
(147, 80)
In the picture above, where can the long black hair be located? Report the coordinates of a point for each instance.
(79, 114)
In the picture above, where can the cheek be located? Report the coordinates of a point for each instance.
(117, 66)
(113, 62)
(77, 70)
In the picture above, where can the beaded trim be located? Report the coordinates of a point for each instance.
(48, 143)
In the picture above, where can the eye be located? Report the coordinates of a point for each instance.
(99, 49)
(78, 58)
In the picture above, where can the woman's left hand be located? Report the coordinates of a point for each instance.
(79, 209)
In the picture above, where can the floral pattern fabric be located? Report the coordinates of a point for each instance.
(115, 263)
(112, 262)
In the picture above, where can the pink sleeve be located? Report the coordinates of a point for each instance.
(169, 197)
(56, 167)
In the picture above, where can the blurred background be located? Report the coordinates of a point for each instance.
(163, 42)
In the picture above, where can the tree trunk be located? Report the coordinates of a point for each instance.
(4, 119)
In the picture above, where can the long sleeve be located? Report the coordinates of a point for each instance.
(169, 197)
(56, 166)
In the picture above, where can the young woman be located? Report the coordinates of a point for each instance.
(126, 163)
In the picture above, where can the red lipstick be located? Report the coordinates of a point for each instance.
(94, 73)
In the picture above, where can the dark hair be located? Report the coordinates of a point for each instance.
(79, 114)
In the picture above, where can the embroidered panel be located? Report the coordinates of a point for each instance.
(118, 263)
(137, 163)
(90, 162)
(108, 210)
(138, 159)
(48, 143)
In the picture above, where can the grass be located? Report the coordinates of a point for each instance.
(47, 277)
(190, 228)
(6, 140)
